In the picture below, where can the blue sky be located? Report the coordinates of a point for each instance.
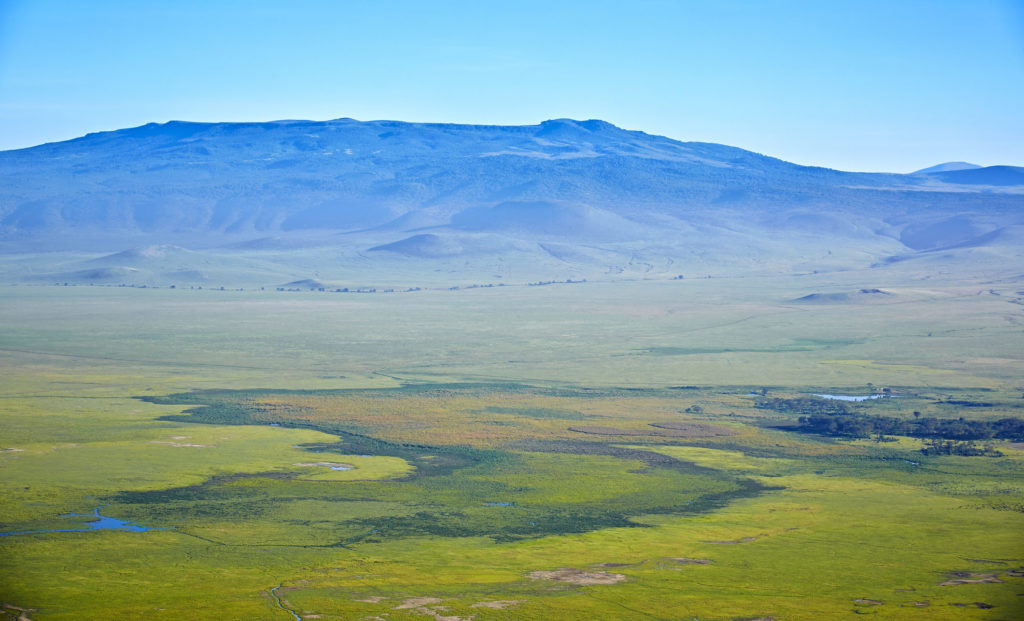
(854, 85)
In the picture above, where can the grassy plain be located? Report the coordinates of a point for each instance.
(565, 452)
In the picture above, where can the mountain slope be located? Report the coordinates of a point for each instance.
(307, 195)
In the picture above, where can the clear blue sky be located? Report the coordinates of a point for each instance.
(855, 85)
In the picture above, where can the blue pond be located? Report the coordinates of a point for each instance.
(101, 522)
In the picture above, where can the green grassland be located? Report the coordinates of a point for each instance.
(577, 452)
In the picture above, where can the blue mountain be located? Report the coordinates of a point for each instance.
(946, 167)
(578, 195)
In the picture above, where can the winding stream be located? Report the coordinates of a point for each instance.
(277, 598)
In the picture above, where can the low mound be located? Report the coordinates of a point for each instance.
(99, 275)
(863, 296)
(305, 283)
(134, 256)
(427, 246)
(268, 243)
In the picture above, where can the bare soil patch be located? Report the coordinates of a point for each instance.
(416, 602)
(498, 604)
(22, 613)
(970, 578)
(688, 561)
(734, 542)
(578, 576)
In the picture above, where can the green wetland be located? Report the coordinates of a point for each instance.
(628, 450)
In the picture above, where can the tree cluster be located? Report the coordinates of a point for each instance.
(965, 448)
(862, 426)
(804, 405)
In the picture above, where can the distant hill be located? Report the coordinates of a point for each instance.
(946, 167)
(990, 175)
(282, 201)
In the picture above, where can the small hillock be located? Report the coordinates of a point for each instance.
(861, 296)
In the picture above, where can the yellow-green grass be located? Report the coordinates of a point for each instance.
(844, 520)
(842, 524)
(738, 332)
(817, 549)
(159, 458)
(817, 546)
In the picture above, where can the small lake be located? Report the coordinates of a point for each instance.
(852, 397)
(100, 522)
